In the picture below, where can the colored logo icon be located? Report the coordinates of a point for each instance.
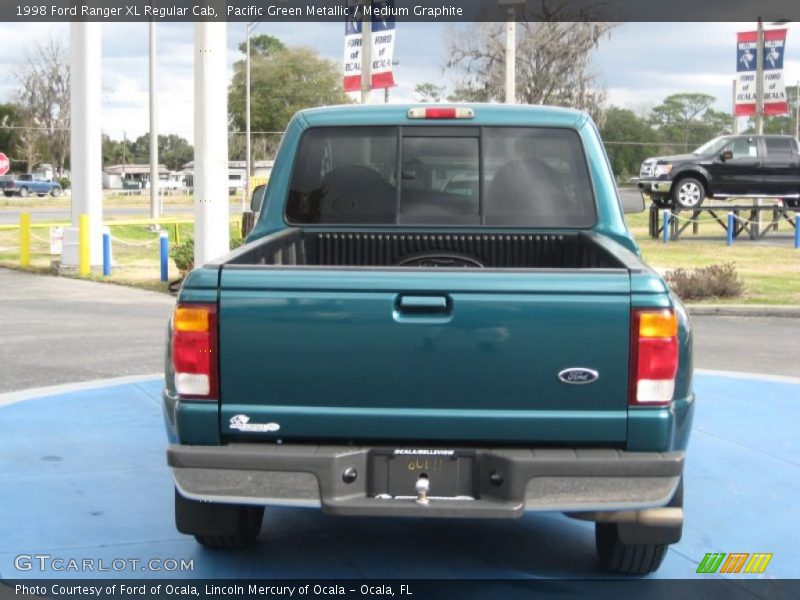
(736, 562)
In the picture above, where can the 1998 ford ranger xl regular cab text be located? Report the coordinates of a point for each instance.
(440, 312)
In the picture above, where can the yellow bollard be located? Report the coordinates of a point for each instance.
(84, 256)
(177, 239)
(25, 240)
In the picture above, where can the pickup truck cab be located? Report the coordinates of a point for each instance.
(729, 166)
(27, 185)
(440, 312)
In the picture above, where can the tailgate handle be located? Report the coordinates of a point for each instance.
(423, 304)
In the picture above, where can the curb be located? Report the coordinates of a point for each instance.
(734, 310)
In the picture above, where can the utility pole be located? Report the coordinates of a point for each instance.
(511, 48)
(366, 57)
(154, 179)
(760, 79)
(511, 59)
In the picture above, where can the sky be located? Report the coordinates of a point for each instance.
(639, 65)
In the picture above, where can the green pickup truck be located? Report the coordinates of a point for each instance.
(440, 312)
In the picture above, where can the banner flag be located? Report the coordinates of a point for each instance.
(382, 43)
(352, 50)
(381, 14)
(775, 102)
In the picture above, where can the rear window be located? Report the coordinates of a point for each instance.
(779, 147)
(496, 176)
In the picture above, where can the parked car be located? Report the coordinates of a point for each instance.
(27, 185)
(730, 166)
(388, 343)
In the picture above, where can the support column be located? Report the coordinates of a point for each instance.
(211, 212)
(85, 143)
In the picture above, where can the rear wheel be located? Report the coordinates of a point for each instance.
(688, 192)
(23, 192)
(617, 556)
(218, 526)
(56, 192)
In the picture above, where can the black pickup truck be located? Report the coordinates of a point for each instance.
(730, 166)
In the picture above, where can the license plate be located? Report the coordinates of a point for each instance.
(395, 473)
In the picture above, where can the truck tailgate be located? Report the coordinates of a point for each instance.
(413, 355)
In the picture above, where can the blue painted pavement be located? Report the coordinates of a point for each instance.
(83, 475)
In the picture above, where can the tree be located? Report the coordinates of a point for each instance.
(552, 62)
(429, 92)
(626, 135)
(688, 119)
(786, 124)
(263, 45)
(44, 81)
(9, 119)
(283, 82)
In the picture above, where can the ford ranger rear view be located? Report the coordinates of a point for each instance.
(441, 313)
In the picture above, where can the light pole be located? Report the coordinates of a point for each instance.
(154, 179)
(366, 57)
(248, 144)
(760, 78)
(511, 48)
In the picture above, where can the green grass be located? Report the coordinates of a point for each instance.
(134, 248)
(771, 274)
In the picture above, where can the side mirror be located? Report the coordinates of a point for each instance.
(258, 198)
(727, 155)
(632, 201)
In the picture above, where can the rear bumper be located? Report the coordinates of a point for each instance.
(568, 480)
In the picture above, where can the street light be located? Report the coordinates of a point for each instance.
(248, 166)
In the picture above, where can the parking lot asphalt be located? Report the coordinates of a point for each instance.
(59, 330)
(89, 480)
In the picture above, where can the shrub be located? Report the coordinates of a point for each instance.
(714, 281)
(64, 183)
(183, 255)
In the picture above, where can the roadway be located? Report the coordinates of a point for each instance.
(59, 330)
(10, 216)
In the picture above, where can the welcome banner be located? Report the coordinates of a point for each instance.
(775, 102)
(381, 14)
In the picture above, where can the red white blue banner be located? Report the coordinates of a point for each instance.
(775, 102)
(381, 14)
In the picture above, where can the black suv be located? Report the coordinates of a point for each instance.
(730, 166)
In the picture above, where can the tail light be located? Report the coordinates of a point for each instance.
(654, 357)
(441, 112)
(194, 350)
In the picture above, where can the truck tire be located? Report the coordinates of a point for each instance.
(688, 192)
(56, 193)
(630, 559)
(218, 526)
(23, 192)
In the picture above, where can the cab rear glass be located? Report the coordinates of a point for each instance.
(493, 176)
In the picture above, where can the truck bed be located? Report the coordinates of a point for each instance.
(297, 247)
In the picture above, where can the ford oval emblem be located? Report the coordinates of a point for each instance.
(578, 375)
